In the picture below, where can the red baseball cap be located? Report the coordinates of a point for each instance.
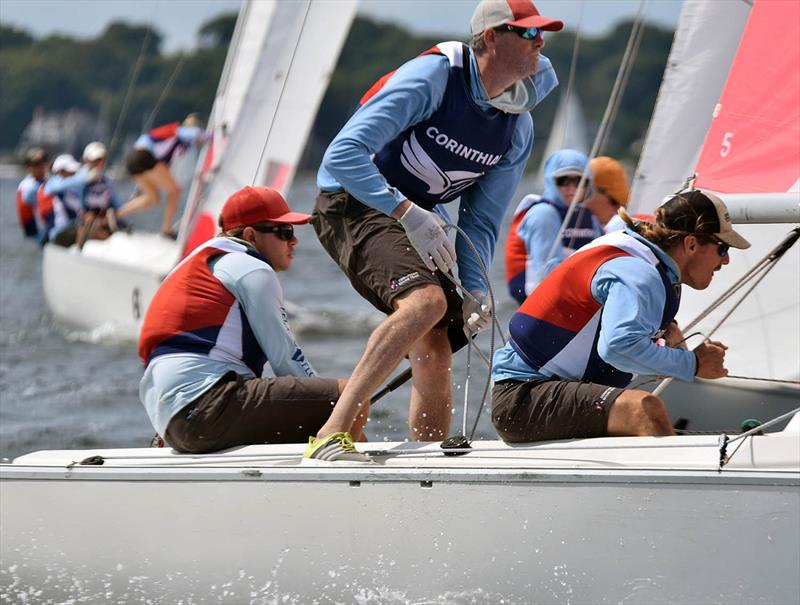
(254, 205)
(519, 13)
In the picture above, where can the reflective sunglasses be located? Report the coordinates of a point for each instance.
(722, 247)
(283, 232)
(527, 33)
(563, 181)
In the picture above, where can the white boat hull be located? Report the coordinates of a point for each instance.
(600, 521)
(106, 287)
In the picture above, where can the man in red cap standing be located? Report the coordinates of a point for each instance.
(451, 123)
(215, 322)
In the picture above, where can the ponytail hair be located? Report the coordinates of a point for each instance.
(663, 237)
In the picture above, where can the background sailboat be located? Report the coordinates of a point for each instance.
(568, 131)
(277, 69)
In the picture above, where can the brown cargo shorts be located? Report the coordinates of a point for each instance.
(374, 252)
(541, 410)
(246, 411)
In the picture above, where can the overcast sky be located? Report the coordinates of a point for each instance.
(179, 20)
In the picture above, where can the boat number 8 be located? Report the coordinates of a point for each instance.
(137, 309)
(726, 144)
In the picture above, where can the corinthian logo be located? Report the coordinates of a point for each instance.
(447, 184)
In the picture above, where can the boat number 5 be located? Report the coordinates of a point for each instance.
(137, 309)
(726, 144)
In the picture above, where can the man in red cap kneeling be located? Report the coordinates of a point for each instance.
(215, 322)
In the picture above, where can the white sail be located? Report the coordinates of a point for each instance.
(569, 127)
(296, 59)
(705, 42)
(246, 46)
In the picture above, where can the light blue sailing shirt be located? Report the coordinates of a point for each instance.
(411, 95)
(631, 292)
(171, 382)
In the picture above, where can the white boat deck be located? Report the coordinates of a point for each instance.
(612, 520)
(773, 453)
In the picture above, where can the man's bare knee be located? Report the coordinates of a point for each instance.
(656, 416)
(173, 193)
(428, 302)
(638, 413)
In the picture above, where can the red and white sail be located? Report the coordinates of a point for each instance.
(753, 145)
(698, 64)
(749, 152)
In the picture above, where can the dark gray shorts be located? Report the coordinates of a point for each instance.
(541, 410)
(374, 252)
(246, 411)
(139, 161)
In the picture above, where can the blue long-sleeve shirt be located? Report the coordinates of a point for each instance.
(411, 95)
(632, 295)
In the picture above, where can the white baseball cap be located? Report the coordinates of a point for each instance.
(66, 162)
(519, 13)
(94, 151)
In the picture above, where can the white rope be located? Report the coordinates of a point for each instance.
(758, 272)
(129, 93)
(148, 124)
(495, 323)
(613, 101)
(636, 36)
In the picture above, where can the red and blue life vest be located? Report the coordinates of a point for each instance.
(193, 312)
(579, 232)
(166, 141)
(437, 159)
(98, 195)
(556, 329)
(25, 213)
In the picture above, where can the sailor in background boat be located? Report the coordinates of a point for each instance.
(99, 199)
(36, 167)
(609, 192)
(59, 201)
(453, 122)
(593, 322)
(148, 164)
(537, 223)
(211, 327)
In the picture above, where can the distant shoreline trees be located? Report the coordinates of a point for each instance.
(57, 73)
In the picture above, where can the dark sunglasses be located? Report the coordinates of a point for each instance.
(283, 232)
(611, 200)
(722, 247)
(527, 33)
(563, 181)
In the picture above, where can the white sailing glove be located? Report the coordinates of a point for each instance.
(425, 232)
(477, 315)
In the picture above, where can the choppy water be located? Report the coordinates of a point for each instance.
(60, 389)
